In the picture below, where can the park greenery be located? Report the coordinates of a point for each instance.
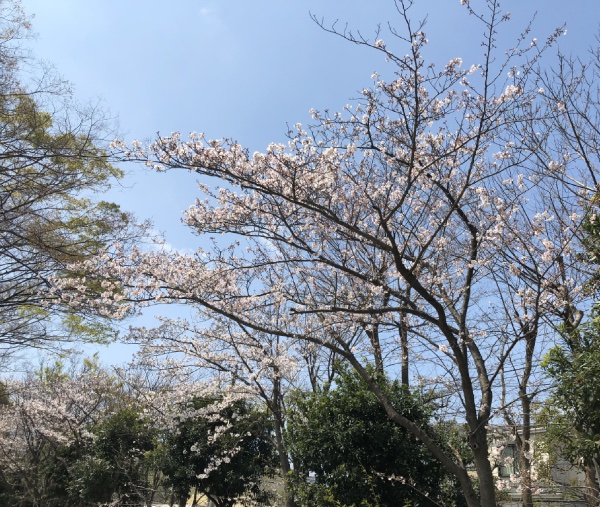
(391, 283)
(343, 436)
(53, 163)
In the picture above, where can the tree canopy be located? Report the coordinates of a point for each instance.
(432, 226)
(358, 455)
(53, 160)
(223, 452)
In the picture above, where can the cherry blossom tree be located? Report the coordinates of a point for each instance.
(425, 217)
(79, 435)
(44, 424)
(561, 138)
(224, 455)
(230, 364)
(573, 111)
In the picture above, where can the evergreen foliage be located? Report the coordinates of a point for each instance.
(343, 439)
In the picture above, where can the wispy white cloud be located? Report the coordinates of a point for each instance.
(160, 244)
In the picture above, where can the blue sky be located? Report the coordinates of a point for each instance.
(241, 69)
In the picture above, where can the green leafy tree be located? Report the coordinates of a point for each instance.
(343, 438)
(224, 452)
(118, 467)
(90, 481)
(572, 413)
(51, 165)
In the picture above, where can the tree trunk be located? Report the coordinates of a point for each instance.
(487, 488)
(284, 463)
(525, 440)
(403, 331)
(526, 484)
(523, 448)
(591, 492)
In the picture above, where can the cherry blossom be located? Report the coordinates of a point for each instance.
(426, 225)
